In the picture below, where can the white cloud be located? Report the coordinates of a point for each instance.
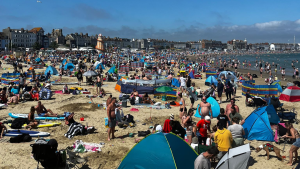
(268, 24)
(297, 21)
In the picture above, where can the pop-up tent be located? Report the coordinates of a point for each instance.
(215, 107)
(257, 124)
(160, 151)
(211, 80)
(69, 66)
(100, 64)
(228, 75)
(52, 70)
(235, 158)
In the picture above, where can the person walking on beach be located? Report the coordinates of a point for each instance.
(261, 71)
(111, 118)
(283, 73)
(220, 89)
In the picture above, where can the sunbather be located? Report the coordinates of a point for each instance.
(42, 111)
(147, 99)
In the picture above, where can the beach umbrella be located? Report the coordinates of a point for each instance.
(90, 73)
(290, 94)
(164, 89)
(235, 158)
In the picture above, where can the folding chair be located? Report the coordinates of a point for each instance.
(74, 159)
(43, 154)
(290, 116)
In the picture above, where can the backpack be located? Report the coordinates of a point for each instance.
(129, 118)
(132, 101)
(18, 123)
(20, 138)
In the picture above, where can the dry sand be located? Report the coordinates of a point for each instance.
(19, 155)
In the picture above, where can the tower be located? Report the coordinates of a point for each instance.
(294, 41)
(100, 46)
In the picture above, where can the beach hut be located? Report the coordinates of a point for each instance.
(257, 124)
(160, 151)
(52, 70)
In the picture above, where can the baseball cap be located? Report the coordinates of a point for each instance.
(207, 118)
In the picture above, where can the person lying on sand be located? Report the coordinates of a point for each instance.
(32, 122)
(13, 99)
(43, 112)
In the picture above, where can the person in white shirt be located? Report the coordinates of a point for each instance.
(182, 84)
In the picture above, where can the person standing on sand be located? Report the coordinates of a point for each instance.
(111, 118)
(205, 108)
(220, 89)
(261, 71)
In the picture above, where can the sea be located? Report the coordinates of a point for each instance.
(283, 60)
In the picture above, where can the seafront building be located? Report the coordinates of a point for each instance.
(21, 39)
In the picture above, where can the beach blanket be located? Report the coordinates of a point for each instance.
(74, 129)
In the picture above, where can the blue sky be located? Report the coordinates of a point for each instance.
(177, 20)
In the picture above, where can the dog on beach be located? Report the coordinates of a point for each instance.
(269, 148)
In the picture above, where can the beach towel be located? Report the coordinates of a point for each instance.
(134, 109)
(74, 129)
(81, 147)
(167, 128)
(175, 104)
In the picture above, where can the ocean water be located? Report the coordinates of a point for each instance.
(283, 60)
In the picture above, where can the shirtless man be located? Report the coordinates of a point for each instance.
(108, 101)
(13, 99)
(98, 84)
(228, 107)
(111, 118)
(205, 108)
(43, 112)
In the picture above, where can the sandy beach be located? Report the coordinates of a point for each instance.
(19, 155)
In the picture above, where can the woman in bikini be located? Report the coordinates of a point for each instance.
(188, 124)
(182, 106)
(292, 133)
(32, 121)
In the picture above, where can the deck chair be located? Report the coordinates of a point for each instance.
(44, 154)
(290, 116)
(74, 159)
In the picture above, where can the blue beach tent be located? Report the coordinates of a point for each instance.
(160, 151)
(52, 70)
(69, 66)
(257, 124)
(112, 69)
(100, 64)
(211, 80)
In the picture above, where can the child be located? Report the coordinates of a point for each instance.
(65, 89)
(212, 136)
